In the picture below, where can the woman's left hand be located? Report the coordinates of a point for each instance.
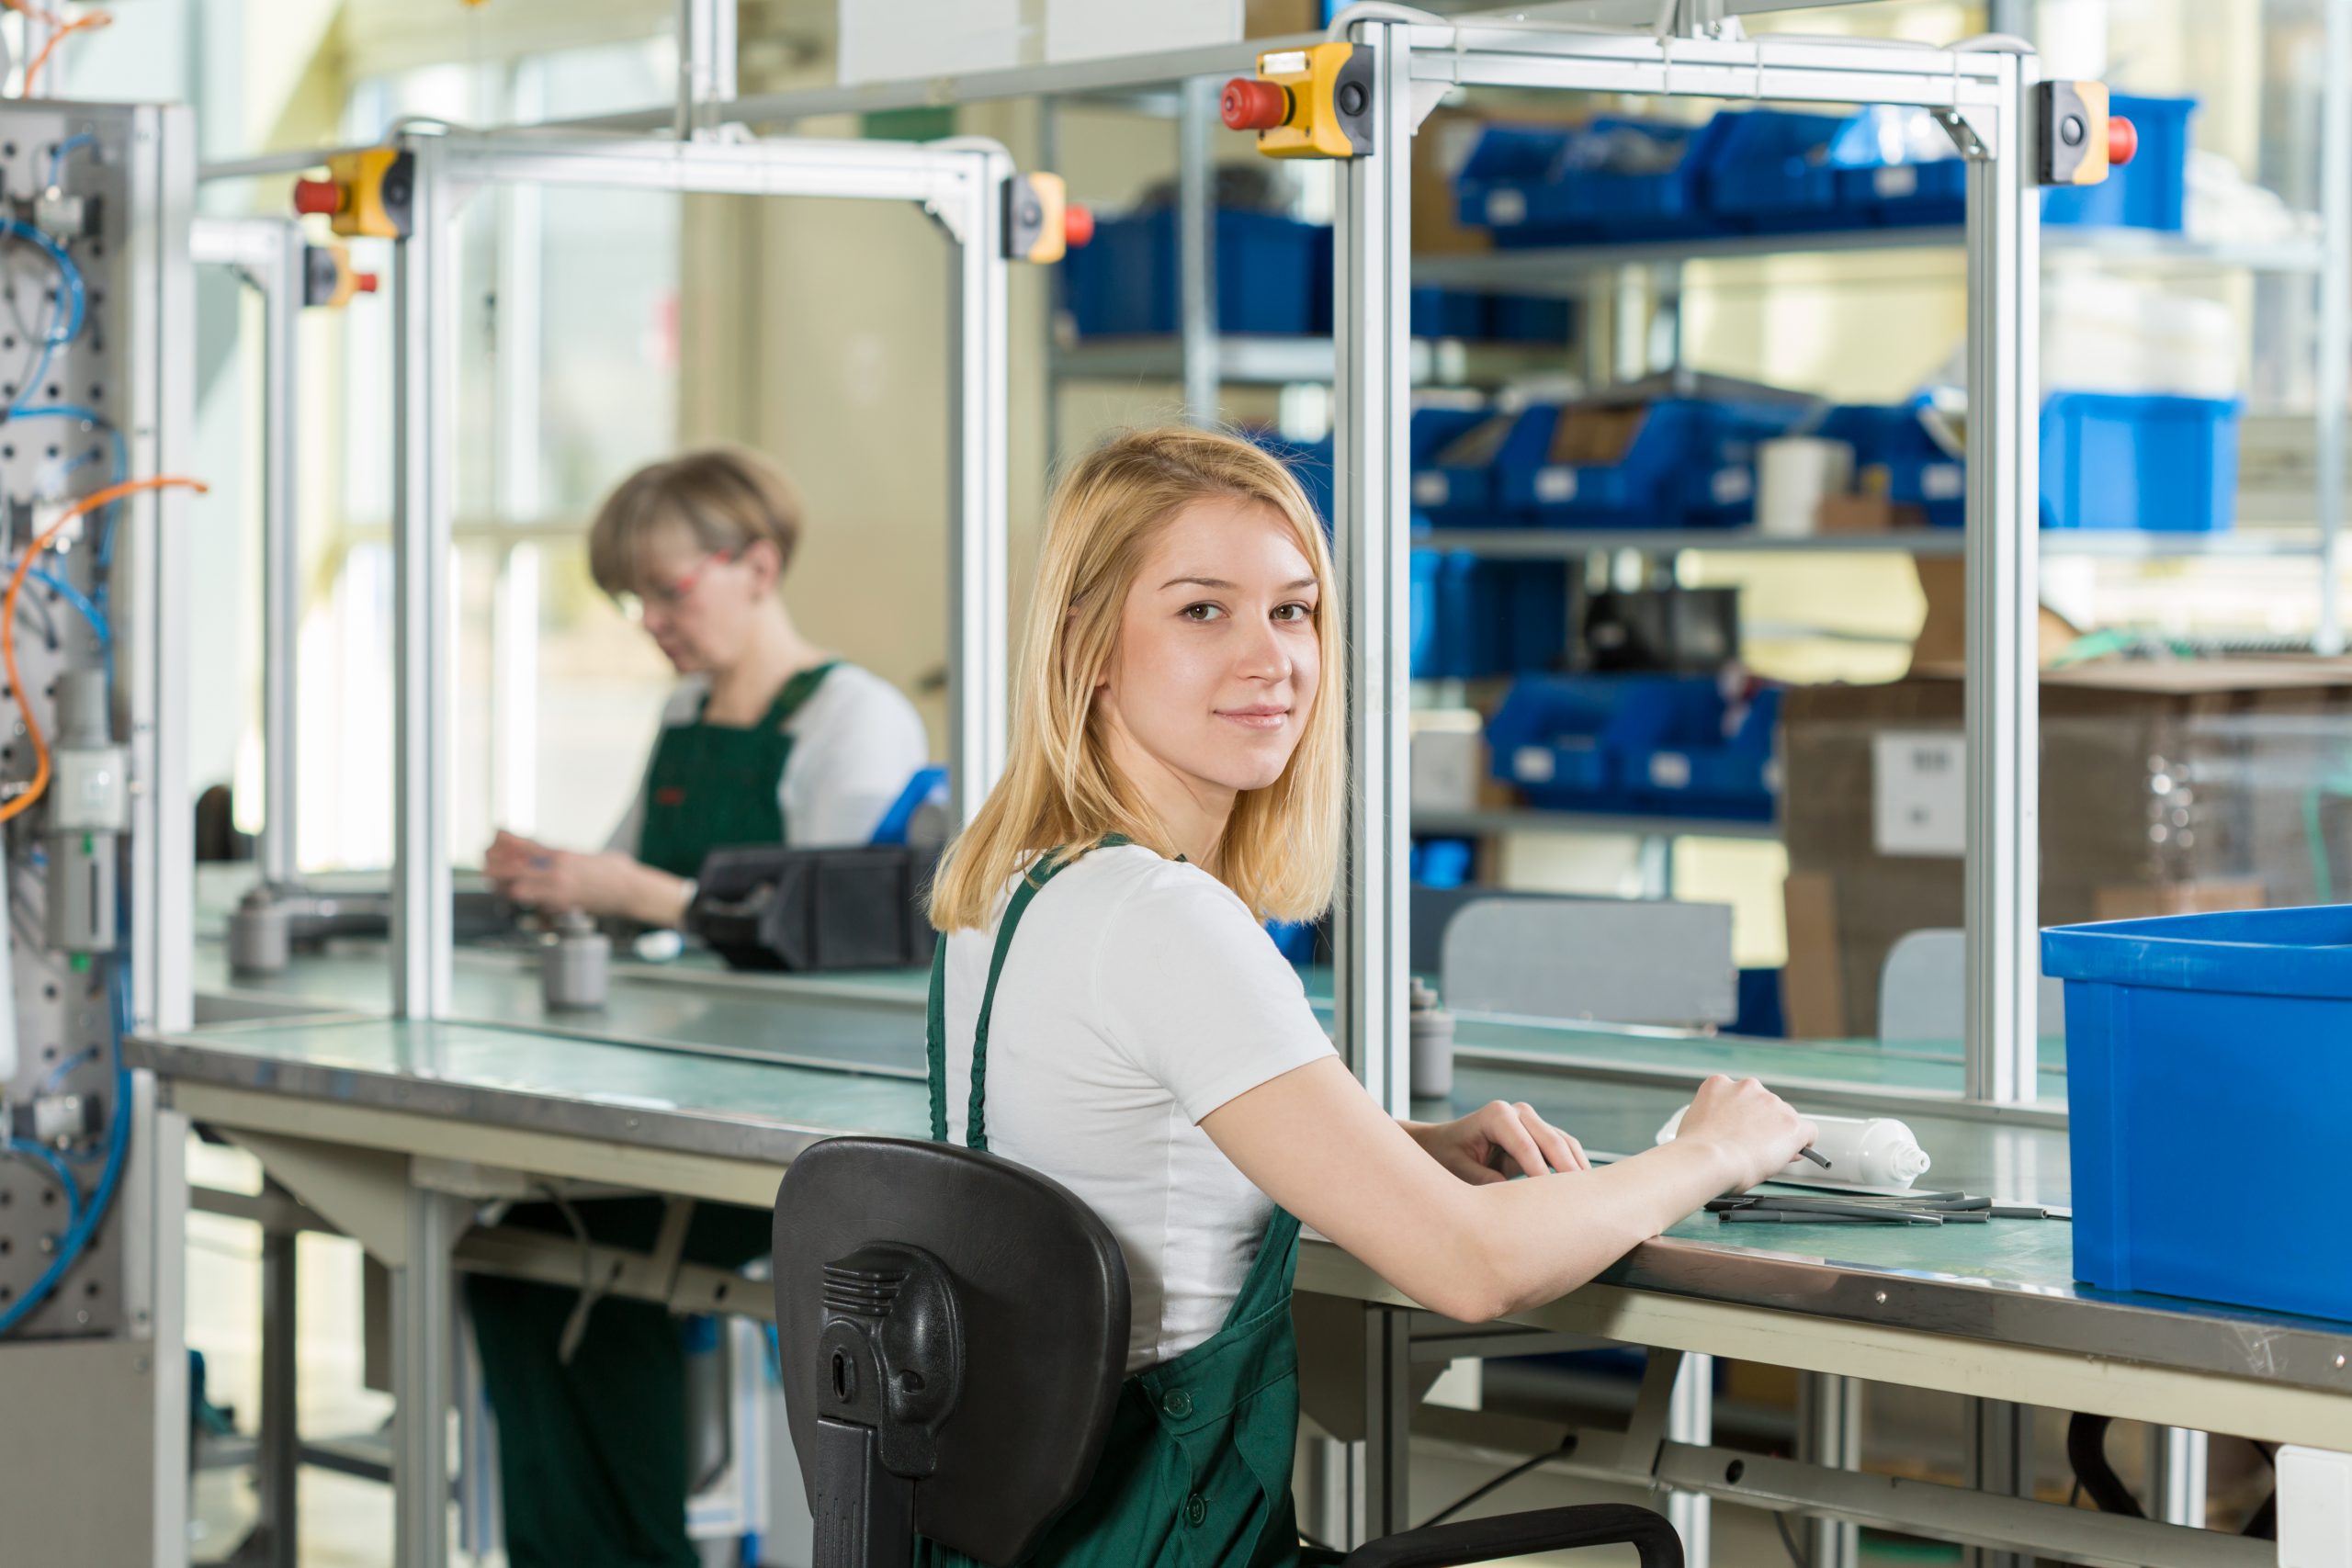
(1497, 1141)
(557, 880)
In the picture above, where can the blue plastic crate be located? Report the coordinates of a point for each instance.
(1611, 178)
(2117, 460)
(1689, 462)
(1900, 453)
(2207, 1077)
(1897, 167)
(1507, 183)
(1560, 740)
(1531, 318)
(1453, 461)
(2149, 192)
(1771, 172)
(1534, 616)
(1713, 759)
(1271, 272)
(1450, 312)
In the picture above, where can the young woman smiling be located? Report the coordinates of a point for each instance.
(1175, 779)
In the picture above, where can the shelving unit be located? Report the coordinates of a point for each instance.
(1555, 543)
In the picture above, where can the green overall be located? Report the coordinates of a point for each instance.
(1197, 1467)
(591, 1454)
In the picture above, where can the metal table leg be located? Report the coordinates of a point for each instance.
(1830, 1432)
(279, 1461)
(423, 1308)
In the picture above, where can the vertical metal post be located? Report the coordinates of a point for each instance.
(423, 1318)
(425, 352)
(277, 1462)
(706, 32)
(2334, 371)
(1830, 1432)
(1690, 1418)
(152, 574)
(979, 393)
(2003, 701)
(1196, 126)
(2178, 1484)
(2000, 1443)
(1372, 263)
(281, 551)
(1387, 1421)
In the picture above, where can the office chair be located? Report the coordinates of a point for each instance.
(954, 1334)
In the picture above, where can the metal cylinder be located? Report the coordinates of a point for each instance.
(575, 963)
(260, 935)
(1431, 1031)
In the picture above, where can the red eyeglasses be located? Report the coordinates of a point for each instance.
(675, 594)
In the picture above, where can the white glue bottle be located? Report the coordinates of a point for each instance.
(1876, 1152)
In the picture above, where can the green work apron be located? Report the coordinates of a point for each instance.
(592, 1453)
(1197, 1467)
(714, 786)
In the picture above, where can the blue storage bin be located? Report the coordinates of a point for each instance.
(1639, 179)
(1440, 862)
(1531, 318)
(1453, 461)
(1771, 171)
(2149, 192)
(1710, 760)
(1560, 738)
(1450, 312)
(1684, 462)
(2119, 460)
(1897, 167)
(1534, 616)
(1900, 454)
(2207, 1077)
(1272, 274)
(1506, 182)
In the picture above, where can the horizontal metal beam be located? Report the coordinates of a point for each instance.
(548, 1260)
(878, 170)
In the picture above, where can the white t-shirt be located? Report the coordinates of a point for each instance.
(1138, 996)
(856, 743)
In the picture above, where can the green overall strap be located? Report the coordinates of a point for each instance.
(797, 691)
(1033, 882)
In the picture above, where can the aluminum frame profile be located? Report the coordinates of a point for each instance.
(956, 182)
(1985, 99)
(269, 254)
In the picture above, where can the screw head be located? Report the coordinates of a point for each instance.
(1881, 1298)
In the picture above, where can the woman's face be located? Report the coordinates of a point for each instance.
(1214, 672)
(698, 604)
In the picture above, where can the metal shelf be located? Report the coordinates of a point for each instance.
(1529, 820)
(1547, 269)
(1557, 544)
(1284, 361)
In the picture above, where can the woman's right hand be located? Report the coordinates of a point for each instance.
(1753, 1130)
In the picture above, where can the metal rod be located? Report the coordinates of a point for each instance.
(1372, 259)
(278, 1464)
(705, 64)
(1690, 1419)
(978, 498)
(2003, 697)
(423, 1317)
(281, 290)
(1197, 127)
(423, 486)
(2334, 373)
(1829, 1434)
(1388, 1402)
(2000, 1456)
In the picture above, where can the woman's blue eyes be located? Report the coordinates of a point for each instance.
(1291, 612)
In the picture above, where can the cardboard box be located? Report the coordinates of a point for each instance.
(1942, 643)
(2164, 788)
(1280, 18)
(1851, 513)
(1440, 149)
(1448, 768)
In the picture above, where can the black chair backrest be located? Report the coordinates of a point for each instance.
(891, 1257)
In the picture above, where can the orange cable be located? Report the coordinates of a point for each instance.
(90, 502)
(81, 24)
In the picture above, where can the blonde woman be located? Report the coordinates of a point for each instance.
(1175, 779)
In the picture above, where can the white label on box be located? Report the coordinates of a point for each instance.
(1670, 769)
(1505, 208)
(1531, 764)
(1943, 481)
(1430, 488)
(1446, 764)
(1895, 180)
(1919, 792)
(1732, 486)
(1556, 483)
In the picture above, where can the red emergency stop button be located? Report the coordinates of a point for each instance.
(1249, 104)
(364, 283)
(2123, 141)
(322, 197)
(1078, 225)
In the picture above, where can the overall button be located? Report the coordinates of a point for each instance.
(1196, 1510)
(1177, 1403)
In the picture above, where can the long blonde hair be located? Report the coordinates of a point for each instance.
(1281, 849)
